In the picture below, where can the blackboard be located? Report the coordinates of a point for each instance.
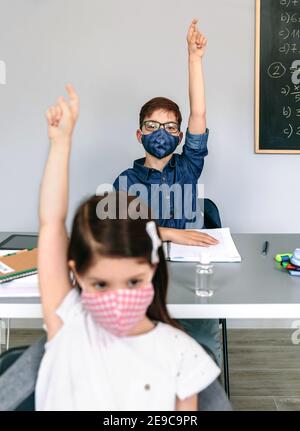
(277, 110)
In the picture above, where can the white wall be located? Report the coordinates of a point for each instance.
(119, 54)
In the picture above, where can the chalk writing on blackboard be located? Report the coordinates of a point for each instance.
(276, 70)
(278, 76)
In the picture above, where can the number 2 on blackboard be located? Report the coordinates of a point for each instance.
(276, 70)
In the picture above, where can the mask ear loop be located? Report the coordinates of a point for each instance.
(156, 241)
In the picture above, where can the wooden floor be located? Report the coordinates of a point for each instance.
(264, 367)
(264, 370)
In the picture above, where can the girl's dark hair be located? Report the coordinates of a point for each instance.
(118, 238)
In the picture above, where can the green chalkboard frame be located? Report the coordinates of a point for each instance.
(258, 148)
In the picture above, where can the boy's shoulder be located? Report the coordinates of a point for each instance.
(129, 176)
(126, 173)
(132, 175)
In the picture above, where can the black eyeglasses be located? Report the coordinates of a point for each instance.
(153, 126)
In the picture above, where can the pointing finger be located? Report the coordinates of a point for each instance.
(192, 28)
(71, 92)
(74, 100)
(65, 109)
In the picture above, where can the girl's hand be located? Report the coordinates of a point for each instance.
(63, 116)
(196, 41)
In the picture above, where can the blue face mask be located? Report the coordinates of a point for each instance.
(160, 144)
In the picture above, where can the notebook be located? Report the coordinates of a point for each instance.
(225, 251)
(21, 288)
(17, 265)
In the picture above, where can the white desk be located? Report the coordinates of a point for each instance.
(252, 289)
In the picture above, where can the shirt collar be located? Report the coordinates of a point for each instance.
(143, 171)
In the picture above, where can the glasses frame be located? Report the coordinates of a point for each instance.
(162, 124)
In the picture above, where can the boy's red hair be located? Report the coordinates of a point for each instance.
(157, 104)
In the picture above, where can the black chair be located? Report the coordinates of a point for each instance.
(7, 359)
(212, 220)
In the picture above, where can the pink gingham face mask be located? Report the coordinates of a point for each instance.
(119, 311)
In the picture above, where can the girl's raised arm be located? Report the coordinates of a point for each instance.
(53, 269)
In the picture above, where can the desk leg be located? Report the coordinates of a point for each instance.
(7, 334)
(4, 328)
(1, 331)
(225, 357)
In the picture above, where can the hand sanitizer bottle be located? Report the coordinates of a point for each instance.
(204, 275)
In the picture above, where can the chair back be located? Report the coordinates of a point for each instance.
(212, 219)
(7, 359)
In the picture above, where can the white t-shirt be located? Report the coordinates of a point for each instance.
(87, 368)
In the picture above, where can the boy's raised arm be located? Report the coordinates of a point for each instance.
(197, 126)
(196, 48)
(54, 278)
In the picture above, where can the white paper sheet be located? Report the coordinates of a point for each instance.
(225, 251)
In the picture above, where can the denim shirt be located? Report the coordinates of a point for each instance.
(175, 209)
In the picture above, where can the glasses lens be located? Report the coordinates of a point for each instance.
(151, 126)
(172, 127)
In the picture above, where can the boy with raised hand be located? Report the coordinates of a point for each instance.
(160, 134)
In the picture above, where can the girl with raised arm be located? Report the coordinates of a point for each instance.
(111, 342)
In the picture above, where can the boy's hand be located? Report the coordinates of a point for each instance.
(188, 237)
(62, 117)
(196, 41)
